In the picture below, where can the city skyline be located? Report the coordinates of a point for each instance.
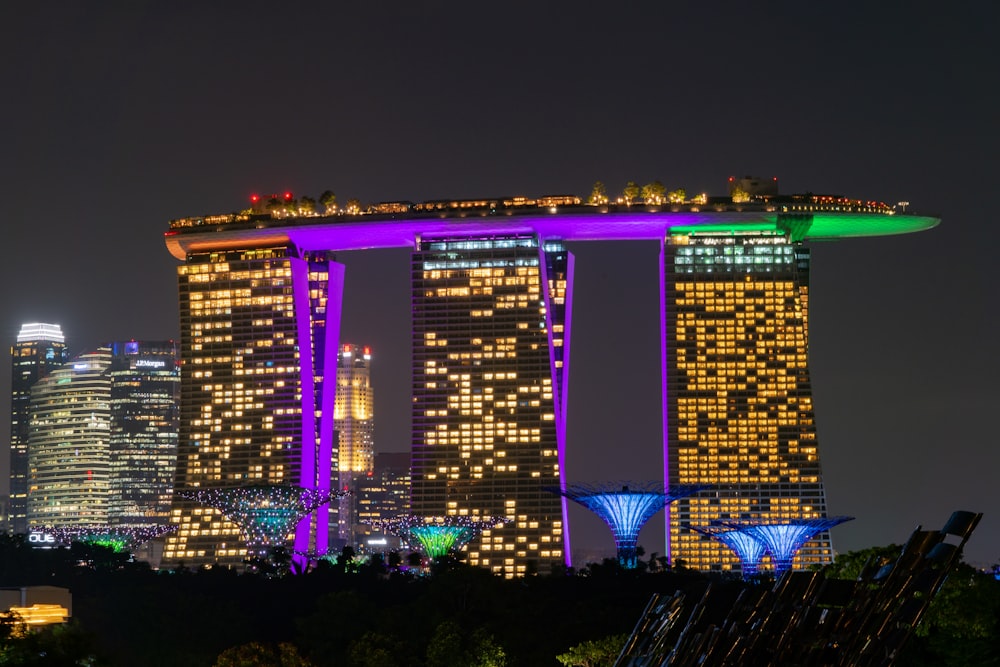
(113, 131)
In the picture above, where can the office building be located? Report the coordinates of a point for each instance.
(379, 496)
(256, 331)
(488, 366)
(142, 446)
(354, 421)
(69, 465)
(39, 349)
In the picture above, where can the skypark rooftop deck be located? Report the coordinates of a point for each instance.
(812, 217)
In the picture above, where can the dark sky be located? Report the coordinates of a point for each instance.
(118, 116)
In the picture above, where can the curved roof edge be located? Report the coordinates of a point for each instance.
(627, 225)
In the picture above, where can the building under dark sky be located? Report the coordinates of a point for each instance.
(120, 117)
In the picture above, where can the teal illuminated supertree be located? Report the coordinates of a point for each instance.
(438, 535)
(266, 514)
(625, 507)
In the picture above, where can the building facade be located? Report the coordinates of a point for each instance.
(257, 328)
(354, 421)
(142, 446)
(69, 464)
(490, 358)
(39, 349)
(738, 398)
(379, 496)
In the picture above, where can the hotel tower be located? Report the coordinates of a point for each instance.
(40, 348)
(491, 286)
(489, 362)
(256, 331)
(738, 409)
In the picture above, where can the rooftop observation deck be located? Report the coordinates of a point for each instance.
(401, 224)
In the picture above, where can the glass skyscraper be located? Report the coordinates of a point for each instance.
(39, 349)
(738, 399)
(489, 366)
(142, 447)
(69, 466)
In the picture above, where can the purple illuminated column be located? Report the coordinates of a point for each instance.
(334, 306)
(316, 442)
(560, 376)
(663, 389)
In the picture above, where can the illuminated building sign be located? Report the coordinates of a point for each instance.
(42, 540)
(150, 363)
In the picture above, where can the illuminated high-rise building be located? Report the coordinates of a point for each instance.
(354, 421)
(39, 349)
(739, 412)
(68, 444)
(489, 366)
(142, 445)
(103, 439)
(256, 332)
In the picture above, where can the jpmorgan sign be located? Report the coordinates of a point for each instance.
(150, 363)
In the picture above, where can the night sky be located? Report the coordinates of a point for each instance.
(119, 116)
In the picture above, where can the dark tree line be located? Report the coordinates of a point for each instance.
(349, 613)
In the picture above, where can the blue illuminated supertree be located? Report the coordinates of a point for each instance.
(266, 514)
(783, 539)
(748, 548)
(438, 535)
(625, 507)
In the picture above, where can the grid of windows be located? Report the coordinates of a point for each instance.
(487, 366)
(740, 414)
(39, 349)
(252, 351)
(68, 462)
(145, 388)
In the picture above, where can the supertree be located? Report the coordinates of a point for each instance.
(266, 513)
(625, 507)
(747, 547)
(783, 538)
(438, 535)
(121, 539)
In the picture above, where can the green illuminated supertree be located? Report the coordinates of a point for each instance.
(438, 535)
(120, 539)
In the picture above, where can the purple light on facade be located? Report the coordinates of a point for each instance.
(665, 412)
(331, 345)
(634, 224)
(307, 435)
(560, 376)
